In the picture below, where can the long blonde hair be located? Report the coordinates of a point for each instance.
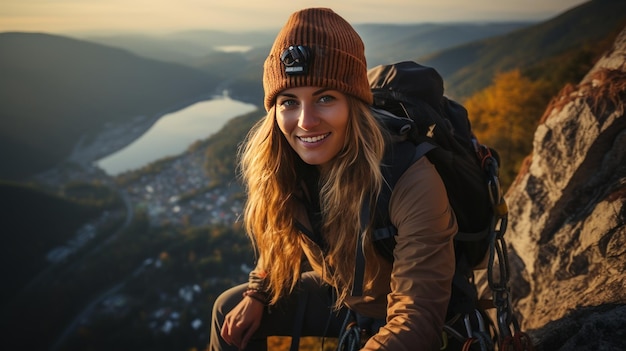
(268, 167)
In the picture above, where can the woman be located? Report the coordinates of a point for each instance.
(309, 166)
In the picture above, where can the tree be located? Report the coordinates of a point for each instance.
(505, 115)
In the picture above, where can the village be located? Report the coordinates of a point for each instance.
(180, 195)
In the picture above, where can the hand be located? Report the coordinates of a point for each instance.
(242, 322)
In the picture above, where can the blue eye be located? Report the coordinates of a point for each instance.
(327, 98)
(288, 103)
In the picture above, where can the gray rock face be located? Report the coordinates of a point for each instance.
(567, 213)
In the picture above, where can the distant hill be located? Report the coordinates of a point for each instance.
(55, 89)
(472, 66)
(382, 41)
(388, 43)
(466, 55)
(188, 47)
(162, 49)
(241, 72)
(468, 66)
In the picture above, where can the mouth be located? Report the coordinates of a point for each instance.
(314, 139)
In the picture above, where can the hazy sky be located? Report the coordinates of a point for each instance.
(58, 16)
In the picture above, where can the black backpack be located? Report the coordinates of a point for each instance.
(410, 104)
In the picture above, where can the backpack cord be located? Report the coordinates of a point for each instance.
(350, 335)
(516, 339)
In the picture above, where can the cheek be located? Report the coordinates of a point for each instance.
(341, 123)
(283, 124)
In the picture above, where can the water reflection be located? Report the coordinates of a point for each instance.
(174, 132)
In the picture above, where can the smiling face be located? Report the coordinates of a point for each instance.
(314, 122)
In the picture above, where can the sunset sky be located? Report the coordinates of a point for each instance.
(63, 16)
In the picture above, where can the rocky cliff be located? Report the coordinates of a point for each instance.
(567, 213)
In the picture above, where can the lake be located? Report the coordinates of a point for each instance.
(174, 132)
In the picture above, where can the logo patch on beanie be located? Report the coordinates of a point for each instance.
(296, 59)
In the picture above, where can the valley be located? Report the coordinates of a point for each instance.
(135, 260)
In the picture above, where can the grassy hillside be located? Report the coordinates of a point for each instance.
(55, 89)
(471, 67)
(220, 148)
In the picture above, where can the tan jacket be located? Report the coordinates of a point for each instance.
(414, 293)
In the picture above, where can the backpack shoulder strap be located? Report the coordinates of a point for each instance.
(398, 158)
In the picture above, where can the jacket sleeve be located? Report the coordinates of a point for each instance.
(256, 278)
(424, 262)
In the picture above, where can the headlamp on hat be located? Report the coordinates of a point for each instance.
(296, 59)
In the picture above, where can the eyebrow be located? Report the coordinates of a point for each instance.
(315, 93)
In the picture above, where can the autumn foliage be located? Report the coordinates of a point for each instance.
(505, 115)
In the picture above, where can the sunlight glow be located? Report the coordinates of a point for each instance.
(238, 15)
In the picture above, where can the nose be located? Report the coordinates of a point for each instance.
(308, 118)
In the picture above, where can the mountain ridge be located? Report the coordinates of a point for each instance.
(240, 73)
(378, 38)
(583, 25)
(56, 89)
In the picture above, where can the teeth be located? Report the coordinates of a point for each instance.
(313, 139)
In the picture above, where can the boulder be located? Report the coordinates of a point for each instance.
(567, 214)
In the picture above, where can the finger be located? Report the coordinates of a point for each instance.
(226, 332)
(234, 331)
(248, 334)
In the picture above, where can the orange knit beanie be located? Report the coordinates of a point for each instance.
(316, 47)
